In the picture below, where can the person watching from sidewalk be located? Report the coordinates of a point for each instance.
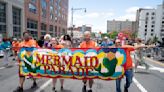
(26, 43)
(88, 43)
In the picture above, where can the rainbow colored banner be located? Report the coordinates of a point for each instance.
(75, 63)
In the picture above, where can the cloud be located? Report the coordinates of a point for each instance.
(131, 17)
(132, 10)
(130, 13)
(97, 20)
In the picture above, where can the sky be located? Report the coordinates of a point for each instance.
(99, 11)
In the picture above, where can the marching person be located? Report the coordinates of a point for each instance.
(106, 43)
(47, 39)
(6, 46)
(88, 43)
(139, 56)
(54, 44)
(128, 65)
(27, 42)
(15, 48)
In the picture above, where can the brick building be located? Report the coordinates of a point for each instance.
(46, 16)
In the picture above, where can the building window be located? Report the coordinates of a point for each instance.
(3, 19)
(147, 18)
(162, 30)
(152, 30)
(32, 24)
(43, 33)
(51, 12)
(145, 25)
(152, 18)
(51, 2)
(56, 31)
(32, 8)
(44, 6)
(33, 1)
(3, 29)
(147, 13)
(64, 32)
(16, 22)
(152, 26)
(162, 22)
(32, 28)
(145, 34)
(153, 22)
(151, 34)
(145, 30)
(51, 28)
(43, 27)
(153, 13)
(162, 26)
(146, 22)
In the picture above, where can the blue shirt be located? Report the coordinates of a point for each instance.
(106, 44)
(5, 45)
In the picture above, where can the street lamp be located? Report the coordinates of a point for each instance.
(72, 10)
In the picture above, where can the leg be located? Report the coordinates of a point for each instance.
(5, 58)
(129, 77)
(84, 87)
(62, 83)
(54, 80)
(34, 85)
(21, 82)
(118, 85)
(90, 84)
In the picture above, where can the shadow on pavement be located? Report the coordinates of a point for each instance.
(65, 90)
(142, 72)
(31, 90)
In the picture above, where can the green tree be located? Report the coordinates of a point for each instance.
(105, 34)
(113, 34)
(155, 39)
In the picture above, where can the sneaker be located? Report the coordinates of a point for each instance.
(90, 90)
(84, 89)
(34, 85)
(54, 89)
(61, 88)
(18, 89)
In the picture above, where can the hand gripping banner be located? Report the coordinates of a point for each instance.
(74, 63)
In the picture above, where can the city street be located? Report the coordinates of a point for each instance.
(143, 81)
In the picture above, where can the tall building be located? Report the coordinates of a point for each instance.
(151, 23)
(120, 25)
(84, 28)
(46, 16)
(12, 18)
(79, 31)
(146, 23)
(159, 24)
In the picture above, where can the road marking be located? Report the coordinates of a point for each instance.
(2, 68)
(141, 88)
(154, 61)
(44, 85)
(153, 68)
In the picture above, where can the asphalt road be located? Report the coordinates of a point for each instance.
(143, 81)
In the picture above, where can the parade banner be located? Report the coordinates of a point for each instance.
(74, 63)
